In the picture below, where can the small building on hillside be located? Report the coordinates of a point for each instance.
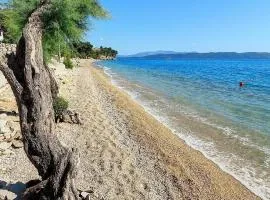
(1, 35)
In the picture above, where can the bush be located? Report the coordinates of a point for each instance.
(68, 63)
(60, 105)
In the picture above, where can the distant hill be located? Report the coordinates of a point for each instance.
(210, 55)
(196, 55)
(150, 53)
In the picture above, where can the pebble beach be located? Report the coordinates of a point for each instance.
(125, 153)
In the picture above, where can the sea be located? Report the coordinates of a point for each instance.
(203, 102)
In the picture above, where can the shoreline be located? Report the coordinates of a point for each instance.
(125, 152)
(252, 184)
(172, 132)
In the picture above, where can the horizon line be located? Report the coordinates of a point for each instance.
(188, 52)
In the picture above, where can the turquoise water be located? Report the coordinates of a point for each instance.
(201, 101)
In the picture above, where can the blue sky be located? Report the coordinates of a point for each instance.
(184, 25)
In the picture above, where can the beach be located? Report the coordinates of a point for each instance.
(125, 153)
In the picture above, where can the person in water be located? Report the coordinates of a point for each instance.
(241, 84)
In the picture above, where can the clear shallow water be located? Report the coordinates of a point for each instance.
(201, 101)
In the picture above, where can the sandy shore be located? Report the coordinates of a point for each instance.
(125, 152)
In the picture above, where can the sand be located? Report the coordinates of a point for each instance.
(125, 152)
(3, 81)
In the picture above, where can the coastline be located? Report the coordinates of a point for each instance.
(213, 135)
(125, 152)
(176, 155)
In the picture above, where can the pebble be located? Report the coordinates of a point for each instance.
(17, 144)
(3, 116)
(84, 194)
(3, 124)
(8, 152)
(7, 195)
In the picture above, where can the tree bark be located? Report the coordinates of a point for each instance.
(34, 88)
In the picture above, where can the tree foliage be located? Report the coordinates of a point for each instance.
(68, 63)
(107, 51)
(86, 50)
(83, 49)
(60, 104)
(64, 22)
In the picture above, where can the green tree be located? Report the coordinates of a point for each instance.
(83, 49)
(37, 25)
(107, 52)
(63, 24)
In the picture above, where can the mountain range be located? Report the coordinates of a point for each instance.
(150, 53)
(196, 55)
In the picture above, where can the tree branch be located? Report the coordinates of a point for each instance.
(9, 75)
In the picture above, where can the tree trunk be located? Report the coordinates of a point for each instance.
(34, 89)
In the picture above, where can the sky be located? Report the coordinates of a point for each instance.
(183, 26)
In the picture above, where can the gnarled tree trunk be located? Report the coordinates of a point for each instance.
(34, 89)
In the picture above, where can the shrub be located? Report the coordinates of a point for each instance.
(68, 63)
(60, 105)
